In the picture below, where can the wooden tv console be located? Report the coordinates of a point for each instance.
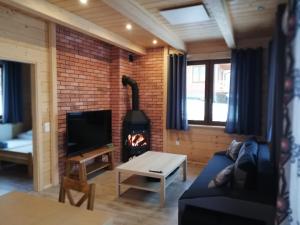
(82, 165)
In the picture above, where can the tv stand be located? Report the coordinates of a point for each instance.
(87, 163)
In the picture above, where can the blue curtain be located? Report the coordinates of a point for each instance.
(176, 106)
(12, 92)
(276, 73)
(244, 110)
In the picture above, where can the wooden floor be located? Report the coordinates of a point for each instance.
(14, 178)
(135, 207)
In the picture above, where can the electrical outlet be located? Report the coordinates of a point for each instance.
(177, 141)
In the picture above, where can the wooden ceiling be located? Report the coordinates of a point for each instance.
(250, 18)
(101, 14)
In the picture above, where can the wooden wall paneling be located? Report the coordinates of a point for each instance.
(199, 143)
(254, 42)
(29, 44)
(205, 50)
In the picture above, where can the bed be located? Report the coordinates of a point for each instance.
(18, 150)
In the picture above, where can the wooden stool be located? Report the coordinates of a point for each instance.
(88, 190)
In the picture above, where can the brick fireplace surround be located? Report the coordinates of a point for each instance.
(89, 75)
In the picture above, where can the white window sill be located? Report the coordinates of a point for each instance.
(219, 127)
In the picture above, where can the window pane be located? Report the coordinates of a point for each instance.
(195, 92)
(1, 102)
(221, 92)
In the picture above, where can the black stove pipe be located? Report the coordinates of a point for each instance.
(135, 91)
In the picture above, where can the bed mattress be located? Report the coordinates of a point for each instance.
(19, 145)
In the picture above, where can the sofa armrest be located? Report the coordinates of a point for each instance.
(221, 152)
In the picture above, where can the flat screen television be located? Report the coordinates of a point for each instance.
(87, 131)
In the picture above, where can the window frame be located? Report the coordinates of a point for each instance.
(209, 89)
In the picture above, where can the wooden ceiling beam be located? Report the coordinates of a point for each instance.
(50, 12)
(139, 15)
(219, 10)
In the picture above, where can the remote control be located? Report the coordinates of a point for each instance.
(155, 171)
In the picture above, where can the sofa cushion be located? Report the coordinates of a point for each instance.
(223, 177)
(245, 166)
(200, 186)
(234, 149)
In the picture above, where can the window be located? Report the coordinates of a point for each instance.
(1, 93)
(208, 91)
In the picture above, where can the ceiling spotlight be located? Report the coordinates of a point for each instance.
(154, 42)
(128, 26)
(83, 1)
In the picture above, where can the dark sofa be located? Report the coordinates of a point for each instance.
(200, 205)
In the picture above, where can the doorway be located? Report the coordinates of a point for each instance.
(16, 127)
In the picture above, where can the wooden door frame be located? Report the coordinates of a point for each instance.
(53, 106)
(37, 151)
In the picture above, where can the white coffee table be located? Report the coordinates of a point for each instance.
(140, 168)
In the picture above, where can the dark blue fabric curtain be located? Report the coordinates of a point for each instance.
(271, 89)
(176, 106)
(244, 111)
(276, 79)
(276, 72)
(12, 92)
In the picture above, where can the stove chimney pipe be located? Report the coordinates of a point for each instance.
(135, 91)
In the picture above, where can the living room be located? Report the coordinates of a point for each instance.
(170, 84)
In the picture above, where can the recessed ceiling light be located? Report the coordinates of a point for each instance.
(154, 41)
(128, 26)
(83, 1)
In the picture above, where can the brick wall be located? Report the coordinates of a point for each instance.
(119, 97)
(89, 75)
(148, 72)
(83, 78)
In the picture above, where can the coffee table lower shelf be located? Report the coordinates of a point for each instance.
(143, 183)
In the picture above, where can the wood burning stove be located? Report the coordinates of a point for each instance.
(136, 126)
